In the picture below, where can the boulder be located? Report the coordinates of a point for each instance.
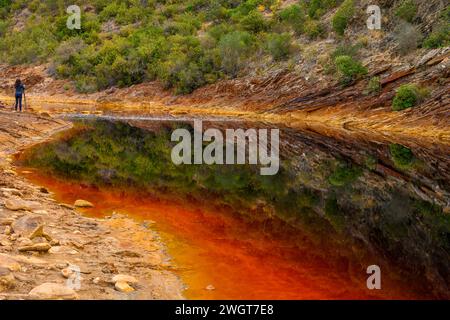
(53, 291)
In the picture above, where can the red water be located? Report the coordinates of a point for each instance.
(217, 249)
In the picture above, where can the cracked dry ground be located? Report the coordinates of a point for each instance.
(43, 243)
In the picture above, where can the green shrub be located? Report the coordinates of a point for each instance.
(334, 214)
(86, 84)
(254, 22)
(349, 69)
(371, 162)
(426, 208)
(313, 29)
(34, 44)
(4, 25)
(407, 96)
(317, 8)
(233, 48)
(374, 85)
(346, 49)
(5, 3)
(279, 45)
(439, 37)
(344, 175)
(343, 16)
(407, 10)
(402, 157)
(293, 16)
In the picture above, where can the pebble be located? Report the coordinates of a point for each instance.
(124, 287)
(67, 272)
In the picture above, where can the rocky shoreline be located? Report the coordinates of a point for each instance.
(48, 250)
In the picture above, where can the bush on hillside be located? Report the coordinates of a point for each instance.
(343, 16)
(254, 22)
(374, 85)
(233, 49)
(440, 37)
(407, 37)
(279, 45)
(407, 96)
(293, 16)
(314, 29)
(316, 8)
(407, 10)
(349, 69)
(402, 157)
(344, 175)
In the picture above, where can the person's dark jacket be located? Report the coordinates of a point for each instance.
(20, 89)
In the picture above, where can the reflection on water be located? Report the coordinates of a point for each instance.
(335, 207)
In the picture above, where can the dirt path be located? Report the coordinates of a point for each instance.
(48, 250)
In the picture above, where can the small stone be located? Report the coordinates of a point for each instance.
(67, 272)
(96, 280)
(7, 230)
(124, 278)
(83, 204)
(210, 287)
(43, 190)
(53, 291)
(43, 212)
(124, 287)
(39, 247)
(7, 279)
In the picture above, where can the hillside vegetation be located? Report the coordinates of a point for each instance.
(191, 43)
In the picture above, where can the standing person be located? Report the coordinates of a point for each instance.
(20, 90)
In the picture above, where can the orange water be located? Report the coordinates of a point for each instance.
(217, 249)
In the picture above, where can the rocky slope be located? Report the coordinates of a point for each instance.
(49, 251)
(278, 96)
